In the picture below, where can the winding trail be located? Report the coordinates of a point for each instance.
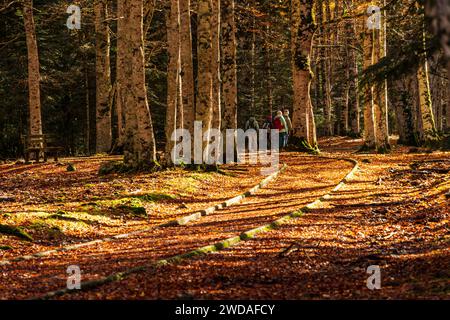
(305, 180)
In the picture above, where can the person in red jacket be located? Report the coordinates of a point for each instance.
(280, 124)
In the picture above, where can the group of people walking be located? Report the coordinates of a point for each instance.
(280, 121)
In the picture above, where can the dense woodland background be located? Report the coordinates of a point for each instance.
(264, 67)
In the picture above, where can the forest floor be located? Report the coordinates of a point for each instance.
(393, 213)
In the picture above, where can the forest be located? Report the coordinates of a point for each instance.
(224, 149)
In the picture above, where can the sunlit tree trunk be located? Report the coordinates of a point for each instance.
(369, 104)
(427, 126)
(139, 148)
(34, 77)
(204, 101)
(216, 92)
(351, 108)
(229, 69)
(187, 68)
(302, 29)
(354, 105)
(173, 75)
(120, 72)
(381, 101)
(103, 77)
(328, 74)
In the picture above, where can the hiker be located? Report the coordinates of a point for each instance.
(268, 125)
(280, 124)
(252, 124)
(289, 126)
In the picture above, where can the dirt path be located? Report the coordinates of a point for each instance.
(382, 217)
(295, 188)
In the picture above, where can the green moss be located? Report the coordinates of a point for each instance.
(134, 206)
(113, 167)
(62, 217)
(15, 231)
(155, 197)
(305, 146)
(120, 167)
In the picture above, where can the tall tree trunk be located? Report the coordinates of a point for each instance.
(403, 101)
(340, 111)
(120, 73)
(268, 66)
(354, 106)
(427, 126)
(438, 12)
(381, 102)
(302, 29)
(205, 75)
(216, 77)
(103, 77)
(349, 111)
(369, 104)
(140, 149)
(87, 100)
(328, 74)
(229, 68)
(34, 77)
(173, 76)
(253, 61)
(187, 67)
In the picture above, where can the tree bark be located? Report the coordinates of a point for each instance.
(173, 76)
(139, 148)
(103, 77)
(205, 79)
(229, 68)
(34, 77)
(354, 105)
(120, 72)
(403, 101)
(427, 126)
(438, 12)
(369, 104)
(328, 74)
(216, 77)
(302, 29)
(381, 103)
(268, 65)
(187, 67)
